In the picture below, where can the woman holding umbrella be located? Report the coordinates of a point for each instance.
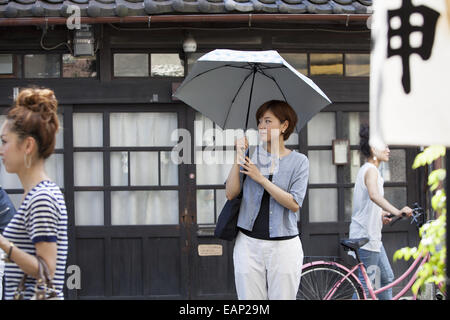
(268, 254)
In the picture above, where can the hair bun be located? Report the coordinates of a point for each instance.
(364, 145)
(34, 113)
(364, 131)
(42, 101)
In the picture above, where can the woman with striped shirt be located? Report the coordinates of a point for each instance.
(39, 228)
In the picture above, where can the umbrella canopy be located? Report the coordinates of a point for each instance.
(228, 86)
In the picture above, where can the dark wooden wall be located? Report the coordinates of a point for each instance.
(158, 261)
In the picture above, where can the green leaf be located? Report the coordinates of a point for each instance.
(435, 178)
(428, 155)
(432, 233)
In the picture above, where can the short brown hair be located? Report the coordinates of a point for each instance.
(283, 111)
(34, 114)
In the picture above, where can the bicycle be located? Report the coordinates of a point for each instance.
(329, 280)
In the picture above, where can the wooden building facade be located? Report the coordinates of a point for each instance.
(141, 226)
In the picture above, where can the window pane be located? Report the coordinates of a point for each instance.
(297, 60)
(9, 180)
(79, 67)
(42, 65)
(395, 169)
(322, 129)
(392, 171)
(202, 126)
(119, 168)
(169, 170)
(205, 206)
(326, 64)
(351, 123)
(130, 65)
(293, 139)
(167, 65)
(220, 200)
(357, 65)
(87, 129)
(357, 159)
(144, 207)
(323, 206)
(16, 199)
(54, 166)
(207, 135)
(348, 198)
(213, 167)
(60, 134)
(6, 64)
(88, 168)
(89, 208)
(396, 196)
(321, 167)
(144, 168)
(143, 129)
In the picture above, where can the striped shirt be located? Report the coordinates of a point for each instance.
(42, 217)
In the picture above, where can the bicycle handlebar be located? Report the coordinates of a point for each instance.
(417, 212)
(396, 218)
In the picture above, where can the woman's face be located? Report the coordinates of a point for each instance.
(11, 149)
(382, 155)
(270, 127)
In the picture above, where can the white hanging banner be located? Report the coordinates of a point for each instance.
(410, 73)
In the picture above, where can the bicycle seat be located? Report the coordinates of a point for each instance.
(353, 244)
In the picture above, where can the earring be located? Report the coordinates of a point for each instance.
(27, 163)
(374, 158)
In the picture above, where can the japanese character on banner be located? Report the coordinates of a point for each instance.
(410, 72)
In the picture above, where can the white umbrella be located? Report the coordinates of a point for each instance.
(228, 86)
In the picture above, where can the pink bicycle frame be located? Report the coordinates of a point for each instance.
(350, 273)
(422, 260)
(372, 292)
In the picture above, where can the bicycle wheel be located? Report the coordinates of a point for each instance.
(318, 280)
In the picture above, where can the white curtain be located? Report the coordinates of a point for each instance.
(140, 168)
(144, 207)
(87, 129)
(88, 168)
(143, 168)
(142, 129)
(321, 167)
(323, 205)
(89, 208)
(322, 129)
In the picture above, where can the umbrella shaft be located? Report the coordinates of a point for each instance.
(250, 98)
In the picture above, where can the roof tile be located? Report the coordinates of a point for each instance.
(121, 8)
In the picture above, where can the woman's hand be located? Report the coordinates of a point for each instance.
(241, 145)
(251, 170)
(384, 217)
(407, 210)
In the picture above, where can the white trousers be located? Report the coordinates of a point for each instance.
(267, 269)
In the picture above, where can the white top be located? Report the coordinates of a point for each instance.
(366, 215)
